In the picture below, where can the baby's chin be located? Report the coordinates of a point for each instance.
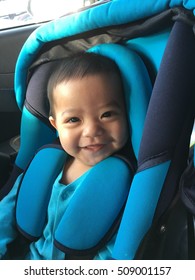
(92, 162)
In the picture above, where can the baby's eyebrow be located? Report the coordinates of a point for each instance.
(68, 111)
(112, 104)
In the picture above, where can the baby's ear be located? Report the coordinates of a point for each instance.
(52, 121)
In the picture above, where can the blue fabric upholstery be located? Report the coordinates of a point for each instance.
(34, 195)
(108, 14)
(34, 134)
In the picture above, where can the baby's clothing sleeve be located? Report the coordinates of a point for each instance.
(8, 230)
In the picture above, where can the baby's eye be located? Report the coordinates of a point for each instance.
(107, 114)
(73, 120)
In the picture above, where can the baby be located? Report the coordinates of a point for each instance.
(87, 109)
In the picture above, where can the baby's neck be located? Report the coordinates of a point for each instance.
(73, 169)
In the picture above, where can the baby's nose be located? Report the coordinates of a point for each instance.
(92, 129)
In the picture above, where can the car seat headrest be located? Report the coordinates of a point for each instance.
(36, 95)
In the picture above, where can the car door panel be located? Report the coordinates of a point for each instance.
(11, 42)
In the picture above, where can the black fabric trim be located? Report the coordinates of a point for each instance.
(55, 144)
(184, 15)
(36, 95)
(128, 156)
(177, 167)
(38, 114)
(26, 235)
(187, 185)
(191, 236)
(155, 160)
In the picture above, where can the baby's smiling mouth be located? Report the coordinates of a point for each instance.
(94, 147)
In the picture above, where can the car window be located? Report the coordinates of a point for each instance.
(23, 12)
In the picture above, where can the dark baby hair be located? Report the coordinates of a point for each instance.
(78, 67)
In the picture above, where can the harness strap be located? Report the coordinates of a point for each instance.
(35, 190)
(94, 211)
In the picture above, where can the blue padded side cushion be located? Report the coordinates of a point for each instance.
(34, 134)
(138, 215)
(108, 14)
(137, 94)
(172, 95)
(35, 190)
(95, 206)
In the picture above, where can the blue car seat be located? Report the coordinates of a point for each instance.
(160, 131)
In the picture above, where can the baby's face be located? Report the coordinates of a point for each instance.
(90, 117)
